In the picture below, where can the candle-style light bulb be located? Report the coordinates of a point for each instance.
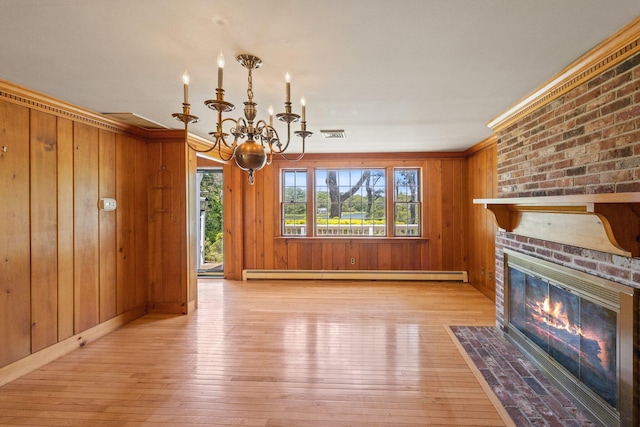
(270, 115)
(304, 109)
(220, 68)
(287, 78)
(185, 81)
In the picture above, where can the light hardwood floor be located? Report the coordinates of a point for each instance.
(258, 353)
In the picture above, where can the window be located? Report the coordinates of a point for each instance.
(294, 202)
(350, 202)
(407, 202)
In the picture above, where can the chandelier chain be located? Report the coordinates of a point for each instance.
(250, 86)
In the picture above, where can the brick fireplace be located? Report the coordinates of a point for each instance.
(578, 135)
(584, 142)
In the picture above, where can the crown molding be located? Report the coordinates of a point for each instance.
(20, 95)
(482, 145)
(609, 53)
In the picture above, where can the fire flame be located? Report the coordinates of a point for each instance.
(556, 317)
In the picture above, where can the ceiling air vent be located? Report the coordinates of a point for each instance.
(333, 133)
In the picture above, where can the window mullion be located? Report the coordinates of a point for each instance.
(311, 202)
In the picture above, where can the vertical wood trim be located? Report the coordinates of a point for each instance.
(233, 212)
(271, 216)
(86, 240)
(460, 217)
(384, 256)
(65, 228)
(156, 219)
(15, 334)
(250, 219)
(126, 255)
(448, 196)
(316, 256)
(280, 253)
(481, 183)
(44, 231)
(193, 208)
(107, 221)
(173, 232)
(140, 212)
(434, 212)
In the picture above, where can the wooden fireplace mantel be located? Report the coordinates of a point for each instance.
(603, 222)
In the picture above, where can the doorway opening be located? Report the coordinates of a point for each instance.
(209, 188)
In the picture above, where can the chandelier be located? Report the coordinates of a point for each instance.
(251, 144)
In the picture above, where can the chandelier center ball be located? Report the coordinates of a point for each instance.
(250, 155)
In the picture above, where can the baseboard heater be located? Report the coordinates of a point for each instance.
(415, 275)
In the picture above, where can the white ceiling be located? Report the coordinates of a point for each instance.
(402, 75)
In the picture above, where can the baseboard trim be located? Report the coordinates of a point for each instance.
(37, 360)
(413, 275)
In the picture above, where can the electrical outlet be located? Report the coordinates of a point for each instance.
(353, 260)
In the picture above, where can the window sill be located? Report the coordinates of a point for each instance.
(352, 239)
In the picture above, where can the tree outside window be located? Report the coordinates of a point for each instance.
(350, 202)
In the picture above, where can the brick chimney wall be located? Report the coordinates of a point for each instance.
(585, 142)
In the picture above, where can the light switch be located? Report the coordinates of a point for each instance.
(107, 204)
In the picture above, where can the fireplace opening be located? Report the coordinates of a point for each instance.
(579, 330)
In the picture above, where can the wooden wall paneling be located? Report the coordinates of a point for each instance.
(409, 256)
(339, 256)
(107, 221)
(473, 272)
(316, 255)
(126, 249)
(424, 251)
(263, 224)
(141, 218)
(459, 226)
(352, 251)
(474, 220)
(433, 211)
(368, 256)
(65, 228)
(270, 216)
(15, 337)
(304, 259)
(156, 217)
(280, 251)
(383, 255)
(490, 227)
(397, 256)
(448, 191)
(327, 256)
(193, 209)
(251, 224)
(481, 246)
(86, 235)
(233, 207)
(174, 285)
(44, 231)
(292, 253)
(444, 216)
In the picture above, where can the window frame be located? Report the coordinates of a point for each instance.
(419, 201)
(390, 203)
(284, 204)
